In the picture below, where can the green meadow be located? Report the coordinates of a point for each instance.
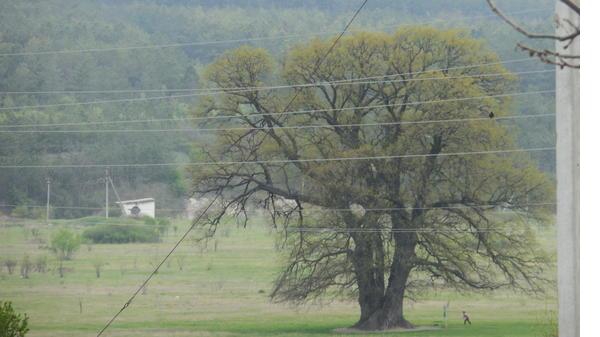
(221, 289)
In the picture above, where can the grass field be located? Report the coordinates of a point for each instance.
(220, 293)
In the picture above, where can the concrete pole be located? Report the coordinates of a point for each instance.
(567, 173)
(123, 212)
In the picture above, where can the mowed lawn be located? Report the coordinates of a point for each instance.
(222, 292)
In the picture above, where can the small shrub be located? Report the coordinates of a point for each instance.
(98, 263)
(26, 266)
(26, 212)
(11, 323)
(20, 212)
(60, 268)
(37, 213)
(64, 243)
(36, 236)
(35, 232)
(149, 221)
(114, 212)
(10, 265)
(121, 234)
(41, 263)
(160, 224)
(163, 225)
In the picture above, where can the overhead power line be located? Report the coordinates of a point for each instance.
(57, 207)
(253, 89)
(386, 78)
(284, 161)
(409, 208)
(287, 112)
(323, 230)
(327, 230)
(294, 127)
(319, 209)
(198, 218)
(244, 40)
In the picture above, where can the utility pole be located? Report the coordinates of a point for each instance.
(106, 192)
(568, 181)
(123, 212)
(48, 201)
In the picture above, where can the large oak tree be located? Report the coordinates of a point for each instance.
(392, 224)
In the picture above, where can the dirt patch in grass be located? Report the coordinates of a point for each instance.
(358, 331)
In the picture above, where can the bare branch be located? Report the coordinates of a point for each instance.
(550, 57)
(547, 56)
(571, 5)
(521, 30)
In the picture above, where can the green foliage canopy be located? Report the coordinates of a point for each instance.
(437, 218)
(64, 243)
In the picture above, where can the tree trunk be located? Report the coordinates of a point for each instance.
(60, 269)
(388, 312)
(369, 274)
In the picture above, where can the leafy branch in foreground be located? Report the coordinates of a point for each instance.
(12, 324)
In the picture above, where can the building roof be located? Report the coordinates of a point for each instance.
(133, 201)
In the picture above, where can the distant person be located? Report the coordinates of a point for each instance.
(466, 318)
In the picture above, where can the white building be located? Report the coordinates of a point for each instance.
(138, 207)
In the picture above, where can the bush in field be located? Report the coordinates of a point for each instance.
(120, 234)
(64, 243)
(161, 224)
(10, 265)
(36, 236)
(26, 212)
(26, 266)
(19, 212)
(98, 263)
(11, 323)
(149, 221)
(90, 221)
(41, 263)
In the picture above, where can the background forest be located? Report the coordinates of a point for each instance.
(28, 28)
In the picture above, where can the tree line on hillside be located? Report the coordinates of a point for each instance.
(53, 25)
